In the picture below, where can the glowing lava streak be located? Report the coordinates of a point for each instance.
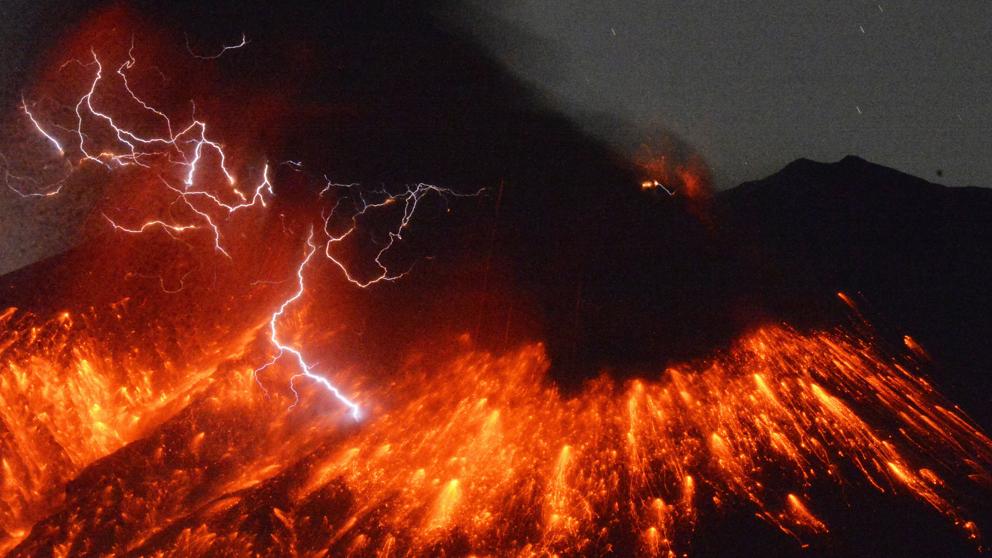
(305, 369)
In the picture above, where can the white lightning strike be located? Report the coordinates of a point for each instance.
(184, 149)
(195, 133)
(305, 369)
(139, 149)
(34, 121)
(52, 189)
(409, 198)
(224, 49)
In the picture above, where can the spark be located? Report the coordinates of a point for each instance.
(87, 100)
(224, 49)
(258, 196)
(128, 64)
(265, 186)
(210, 223)
(306, 370)
(654, 184)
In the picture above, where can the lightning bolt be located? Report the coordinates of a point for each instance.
(182, 149)
(34, 121)
(188, 144)
(221, 52)
(306, 370)
(408, 199)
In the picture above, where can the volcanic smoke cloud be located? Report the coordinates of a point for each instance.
(194, 400)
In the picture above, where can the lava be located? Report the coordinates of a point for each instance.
(667, 165)
(174, 439)
(481, 452)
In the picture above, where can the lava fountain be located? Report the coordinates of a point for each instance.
(193, 417)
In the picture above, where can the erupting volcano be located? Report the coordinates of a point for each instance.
(194, 378)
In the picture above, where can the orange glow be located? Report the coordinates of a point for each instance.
(456, 453)
(912, 345)
(667, 165)
(128, 436)
(802, 515)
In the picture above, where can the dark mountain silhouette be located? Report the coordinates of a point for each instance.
(912, 255)
(916, 256)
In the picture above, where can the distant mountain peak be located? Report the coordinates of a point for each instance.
(847, 174)
(847, 163)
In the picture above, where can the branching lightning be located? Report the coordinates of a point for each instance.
(306, 370)
(182, 148)
(188, 144)
(408, 199)
(482, 454)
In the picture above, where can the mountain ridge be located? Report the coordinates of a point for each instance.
(915, 253)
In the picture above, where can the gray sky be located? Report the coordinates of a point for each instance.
(754, 85)
(750, 85)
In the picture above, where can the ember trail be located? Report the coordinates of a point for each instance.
(221, 451)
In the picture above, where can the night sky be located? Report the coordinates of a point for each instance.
(754, 85)
(747, 86)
